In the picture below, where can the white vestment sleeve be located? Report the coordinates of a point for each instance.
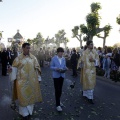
(39, 77)
(13, 74)
(96, 62)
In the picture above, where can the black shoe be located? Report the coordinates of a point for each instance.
(71, 86)
(90, 101)
(25, 118)
(4, 75)
(29, 117)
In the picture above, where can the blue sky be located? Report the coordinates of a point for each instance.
(49, 16)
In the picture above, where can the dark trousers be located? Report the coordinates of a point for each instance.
(4, 69)
(41, 63)
(74, 68)
(58, 83)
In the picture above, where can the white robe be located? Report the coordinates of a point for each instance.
(28, 110)
(88, 93)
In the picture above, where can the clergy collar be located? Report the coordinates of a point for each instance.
(30, 55)
(90, 50)
(26, 55)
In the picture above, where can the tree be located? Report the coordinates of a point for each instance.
(47, 40)
(39, 40)
(118, 20)
(106, 34)
(77, 34)
(116, 45)
(59, 37)
(52, 40)
(32, 42)
(1, 35)
(29, 41)
(93, 22)
(65, 41)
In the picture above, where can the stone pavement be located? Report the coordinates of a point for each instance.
(75, 106)
(108, 80)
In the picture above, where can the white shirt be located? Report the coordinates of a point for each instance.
(60, 59)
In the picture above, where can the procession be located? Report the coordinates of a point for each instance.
(47, 78)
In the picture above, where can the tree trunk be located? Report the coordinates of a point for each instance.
(80, 43)
(65, 44)
(90, 38)
(104, 41)
(58, 44)
(98, 30)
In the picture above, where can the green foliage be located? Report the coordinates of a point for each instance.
(39, 40)
(75, 31)
(52, 40)
(59, 37)
(83, 29)
(118, 20)
(107, 29)
(29, 41)
(95, 7)
(35, 41)
(0, 35)
(93, 22)
(65, 40)
(85, 38)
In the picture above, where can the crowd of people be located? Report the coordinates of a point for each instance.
(110, 62)
(7, 57)
(25, 71)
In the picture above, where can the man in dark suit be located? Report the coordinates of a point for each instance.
(0, 56)
(9, 57)
(74, 59)
(4, 62)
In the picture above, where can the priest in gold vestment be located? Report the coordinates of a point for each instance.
(26, 74)
(89, 60)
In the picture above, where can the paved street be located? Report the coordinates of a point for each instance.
(106, 107)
